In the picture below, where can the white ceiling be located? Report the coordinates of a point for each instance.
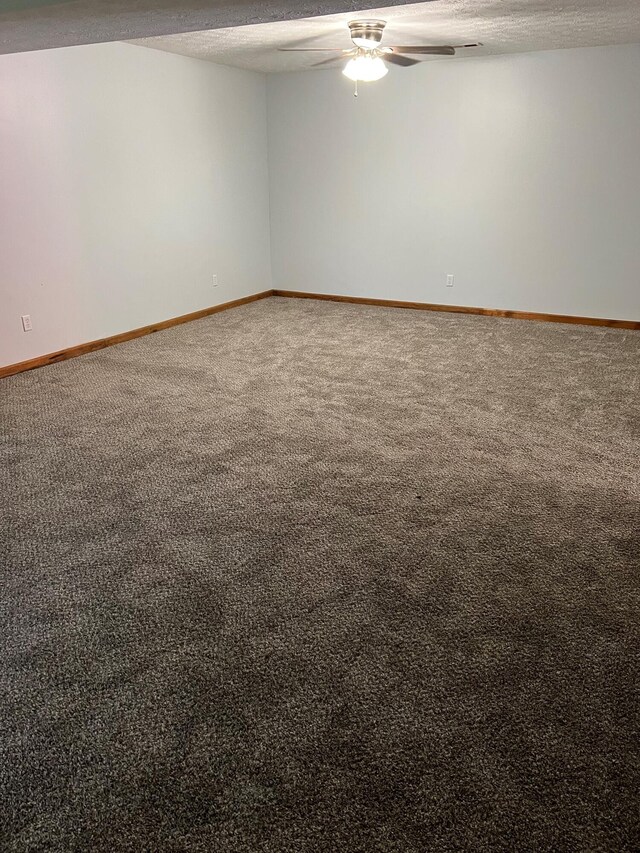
(38, 24)
(503, 26)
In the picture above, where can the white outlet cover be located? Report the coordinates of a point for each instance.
(26, 322)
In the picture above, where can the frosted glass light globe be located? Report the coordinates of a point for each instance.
(365, 69)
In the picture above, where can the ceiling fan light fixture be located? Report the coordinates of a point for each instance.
(365, 68)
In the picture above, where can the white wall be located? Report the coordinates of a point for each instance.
(128, 177)
(519, 174)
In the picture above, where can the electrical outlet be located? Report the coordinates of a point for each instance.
(449, 281)
(26, 322)
(215, 279)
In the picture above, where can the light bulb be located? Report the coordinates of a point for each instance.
(365, 68)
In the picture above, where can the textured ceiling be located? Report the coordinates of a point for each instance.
(503, 26)
(37, 24)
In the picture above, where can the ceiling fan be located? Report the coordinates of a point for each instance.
(367, 58)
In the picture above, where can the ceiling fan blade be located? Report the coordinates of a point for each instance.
(328, 61)
(440, 50)
(315, 49)
(396, 59)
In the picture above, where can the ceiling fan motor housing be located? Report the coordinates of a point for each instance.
(366, 34)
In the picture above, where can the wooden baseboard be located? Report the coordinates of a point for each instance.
(464, 309)
(92, 346)
(102, 343)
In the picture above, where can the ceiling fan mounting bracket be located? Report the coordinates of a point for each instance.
(366, 34)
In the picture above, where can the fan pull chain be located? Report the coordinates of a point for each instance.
(355, 93)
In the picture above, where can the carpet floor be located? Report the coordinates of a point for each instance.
(310, 577)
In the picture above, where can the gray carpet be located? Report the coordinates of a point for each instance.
(316, 577)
